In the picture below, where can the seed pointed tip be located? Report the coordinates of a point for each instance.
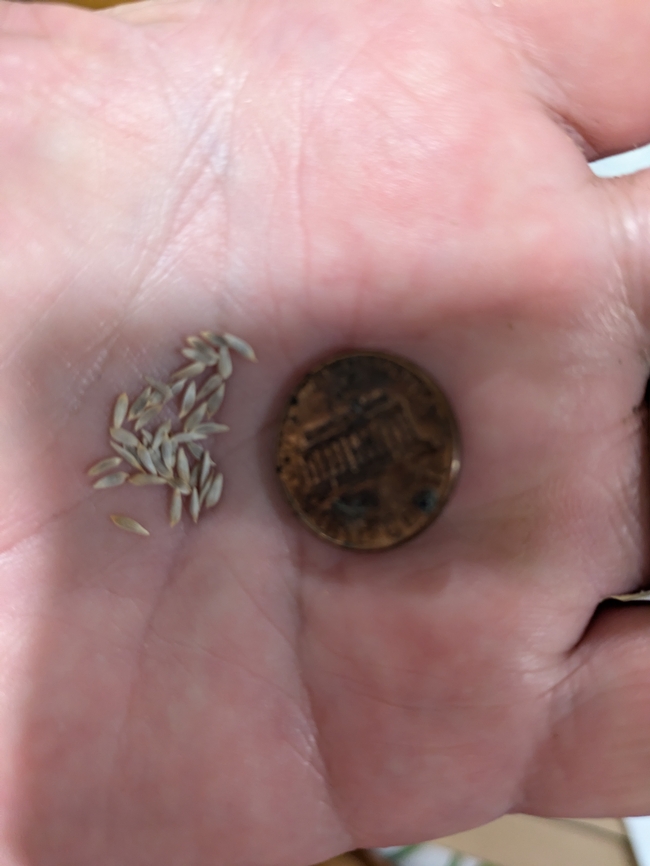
(115, 479)
(241, 346)
(104, 466)
(128, 524)
(176, 508)
(195, 505)
(215, 491)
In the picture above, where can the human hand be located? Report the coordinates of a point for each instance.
(319, 176)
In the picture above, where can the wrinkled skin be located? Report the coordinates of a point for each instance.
(317, 175)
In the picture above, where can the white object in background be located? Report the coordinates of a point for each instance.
(622, 163)
(641, 595)
(429, 854)
(638, 829)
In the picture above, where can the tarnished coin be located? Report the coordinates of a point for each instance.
(368, 450)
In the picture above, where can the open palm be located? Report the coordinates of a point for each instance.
(317, 176)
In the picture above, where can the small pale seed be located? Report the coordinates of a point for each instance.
(146, 437)
(161, 432)
(131, 459)
(161, 388)
(214, 494)
(182, 466)
(195, 450)
(178, 386)
(195, 342)
(225, 362)
(194, 475)
(168, 455)
(104, 465)
(155, 402)
(153, 450)
(137, 407)
(129, 524)
(120, 410)
(113, 480)
(195, 505)
(194, 418)
(209, 428)
(203, 354)
(206, 463)
(178, 484)
(215, 401)
(175, 508)
(189, 398)
(147, 416)
(124, 437)
(156, 397)
(141, 480)
(145, 458)
(213, 339)
(240, 346)
(205, 489)
(161, 469)
(210, 385)
(193, 436)
(189, 371)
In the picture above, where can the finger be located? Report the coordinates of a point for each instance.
(589, 63)
(596, 759)
(625, 204)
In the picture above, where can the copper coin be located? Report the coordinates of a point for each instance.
(368, 450)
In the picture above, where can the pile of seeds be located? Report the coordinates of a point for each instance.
(173, 452)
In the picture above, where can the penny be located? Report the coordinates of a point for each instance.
(368, 450)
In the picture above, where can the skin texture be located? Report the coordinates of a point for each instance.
(318, 175)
